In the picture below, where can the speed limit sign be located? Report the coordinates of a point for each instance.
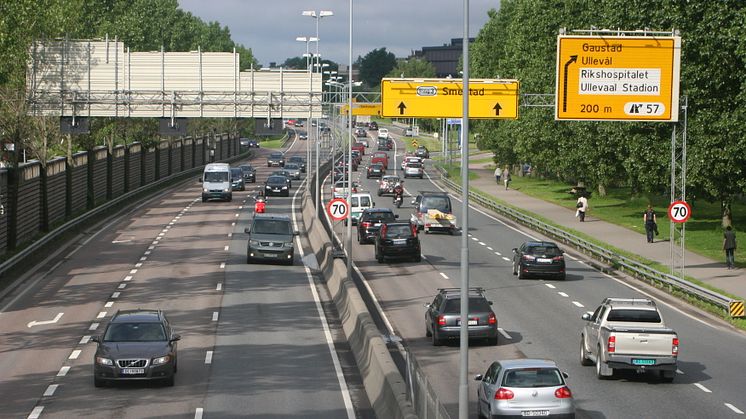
(679, 211)
(337, 209)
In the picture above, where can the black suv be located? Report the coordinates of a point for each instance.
(397, 240)
(370, 222)
(384, 144)
(539, 258)
(271, 239)
(136, 345)
(276, 159)
(249, 173)
(443, 316)
(276, 185)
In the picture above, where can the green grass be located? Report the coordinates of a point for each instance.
(273, 142)
(454, 173)
(704, 234)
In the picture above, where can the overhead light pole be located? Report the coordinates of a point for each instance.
(463, 389)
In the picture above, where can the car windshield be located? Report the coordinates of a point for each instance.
(476, 305)
(291, 166)
(361, 201)
(391, 179)
(236, 173)
(216, 176)
(246, 168)
(532, 377)
(276, 180)
(272, 227)
(381, 217)
(380, 155)
(275, 156)
(398, 231)
(543, 251)
(135, 332)
(633, 315)
(440, 203)
(376, 166)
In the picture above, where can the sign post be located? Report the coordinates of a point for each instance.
(338, 209)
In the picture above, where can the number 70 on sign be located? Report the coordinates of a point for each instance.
(338, 209)
(679, 211)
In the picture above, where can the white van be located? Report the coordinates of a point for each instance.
(383, 133)
(358, 203)
(216, 182)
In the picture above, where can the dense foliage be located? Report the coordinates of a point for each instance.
(519, 41)
(375, 65)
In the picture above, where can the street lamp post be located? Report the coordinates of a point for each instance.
(308, 56)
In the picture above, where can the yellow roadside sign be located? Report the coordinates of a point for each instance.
(362, 109)
(414, 143)
(618, 78)
(443, 98)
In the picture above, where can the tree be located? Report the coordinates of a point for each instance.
(375, 65)
(412, 67)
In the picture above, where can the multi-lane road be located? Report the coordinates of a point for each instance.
(257, 340)
(541, 319)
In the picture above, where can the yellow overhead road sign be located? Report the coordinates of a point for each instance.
(618, 78)
(443, 98)
(362, 109)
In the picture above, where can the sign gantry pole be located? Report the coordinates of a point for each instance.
(463, 389)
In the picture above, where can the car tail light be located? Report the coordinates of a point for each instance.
(563, 393)
(492, 319)
(558, 258)
(414, 229)
(528, 257)
(441, 320)
(383, 230)
(675, 347)
(366, 224)
(503, 394)
(611, 346)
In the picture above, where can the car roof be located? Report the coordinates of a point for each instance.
(540, 243)
(277, 177)
(527, 363)
(378, 210)
(138, 315)
(277, 217)
(456, 292)
(390, 177)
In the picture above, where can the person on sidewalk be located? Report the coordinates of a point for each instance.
(729, 245)
(506, 177)
(650, 221)
(498, 172)
(582, 206)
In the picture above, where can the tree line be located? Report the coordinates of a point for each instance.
(519, 42)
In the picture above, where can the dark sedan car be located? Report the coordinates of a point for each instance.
(276, 185)
(136, 345)
(540, 259)
(300, 161)
(276, 159)
(249, 173)
(370, 222)
(422, 152)
(286, 173)
(253, 144)
(237, 180)
(443, 316)
(375, 170)
(373, 126)
(397, 240)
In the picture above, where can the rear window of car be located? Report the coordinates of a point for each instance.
(361, 201)
(543, 250)
(398, 231)
(378, 217)
(476, 304)
(380, 155)
(414, 165)
(272, 227)
(440, 203)
(634, 315)
(532, 377)
(291, 166)
(135, 332)
(277, 180)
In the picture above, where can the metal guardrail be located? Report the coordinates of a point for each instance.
(615, 259)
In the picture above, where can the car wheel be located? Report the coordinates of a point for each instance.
(204, 199)
(515, 272)
(248, 259)
(452, 231)
(379, 193)
(584, 361)
(562, 277)
(169, 382)
(418, 258)
(176, 364)
(492, 341)
(602, 371)
(98, 383)
(436, 340)
(427, 332)
(379, 258)
(521, 275)
(666, 376)
(230, 198)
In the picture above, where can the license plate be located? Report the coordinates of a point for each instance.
(469, 323)
(377, 225)
(400, 241)
(533, 413)
(133, 371)
(643, 362)
(270, 255)
(544, 260)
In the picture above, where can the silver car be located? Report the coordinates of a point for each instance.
(293, 169)
(414, 170)
(524, 387)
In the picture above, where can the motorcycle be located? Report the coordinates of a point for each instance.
(260, 204)
(398, 200)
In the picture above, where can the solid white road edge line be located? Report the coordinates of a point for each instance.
(198, 413)
(324, 325)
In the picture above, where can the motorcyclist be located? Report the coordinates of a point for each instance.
(398, 191)
(260, 203)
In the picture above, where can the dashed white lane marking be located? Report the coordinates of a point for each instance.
(225, 248)
(172, 223)
(138, 265)
(222, 265)
(236, 215)
(101, 315)
(63, 371)
(116, 294)
(74, 354)
(219, 287)
(93, 326)
(133, 271)
(36, 412)
(489, 248)
(734, 408)
(215, 315)
(444, 275)
(498, 253)
(109, 304)
(577, 304)
(143, 259)
(679, 372)
(128, 278)
(151, 247)
(198, 413)
(164, 231)
(155, 243)
(50, 390)
(563, 294)
(84, 340)
(504, 333)
(233, 224)
(506, 259)
(550, 286)
(703, 388)
(230, 235)
(483, 243)
(161, 234)
(241, 206)
(208, 357)
(122, 286)
(475, 239)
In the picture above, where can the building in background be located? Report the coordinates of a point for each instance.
(445, 58)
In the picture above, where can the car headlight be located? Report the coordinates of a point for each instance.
(284, 187)
(267, 187)
(205, 190)
(161, 360)
(289, 244)
(104, 361)
(226, 190)
(253, 242)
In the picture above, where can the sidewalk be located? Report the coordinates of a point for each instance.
(706, 270)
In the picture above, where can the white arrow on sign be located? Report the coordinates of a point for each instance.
(39, 323)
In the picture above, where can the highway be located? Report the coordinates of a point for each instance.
(257, 340)
(541, 319)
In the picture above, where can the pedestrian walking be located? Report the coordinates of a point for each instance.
(498, 172)
(506, 178)
(729, 245)
(650, 221)
(582, 206)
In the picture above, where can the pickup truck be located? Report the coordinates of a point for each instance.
(628, 333)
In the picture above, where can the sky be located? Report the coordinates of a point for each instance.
(269, 27)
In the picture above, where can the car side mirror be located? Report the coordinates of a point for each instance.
(515, 250)
(478, 377)
(490, 302)
(175, 338)
(586, 316)
(96, 339)
(247, 230)
(374, 204)
(396, 215)
(564, 374)
(426, 305)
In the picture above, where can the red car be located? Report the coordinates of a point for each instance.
(359, 147)
(381, 157)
